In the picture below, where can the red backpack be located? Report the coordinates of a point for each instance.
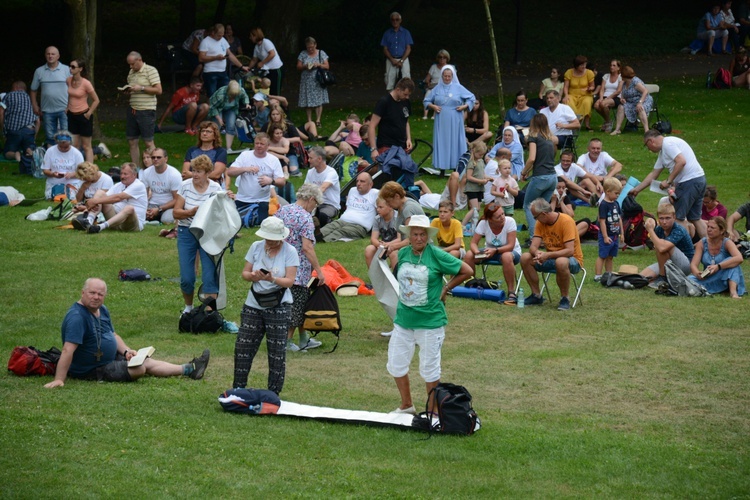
(723, 79)
(26, 361)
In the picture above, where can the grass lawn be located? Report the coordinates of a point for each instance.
(628, 395)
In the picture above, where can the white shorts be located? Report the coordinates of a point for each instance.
(401, 351)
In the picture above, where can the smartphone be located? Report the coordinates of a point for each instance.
(264, 271)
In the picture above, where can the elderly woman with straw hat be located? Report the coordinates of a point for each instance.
(420, 314)
(271, 265)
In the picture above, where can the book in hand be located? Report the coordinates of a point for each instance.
(705, 272)
(481, 256)
(382, 253)
(124, 88)
(140, 358)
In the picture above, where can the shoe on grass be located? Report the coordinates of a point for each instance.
(230, 327)
(292, 347)
(386, 334)
(199, 365)
(311, 344)
(106, 153)
(81, 222)
(406, 411)
(93, 229)
(533, 300)
(564, 304)
(657, 281)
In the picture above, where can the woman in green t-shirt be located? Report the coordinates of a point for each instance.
(420, 314)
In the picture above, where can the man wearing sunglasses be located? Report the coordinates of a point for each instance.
(162, 182)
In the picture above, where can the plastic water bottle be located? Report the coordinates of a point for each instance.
(475, 219)
(521, 298)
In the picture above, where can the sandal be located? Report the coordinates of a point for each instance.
(512, 300)
(615, 132)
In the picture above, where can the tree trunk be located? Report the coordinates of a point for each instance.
(83, 15)
(494, 59)
(187, 18)
(221, 7)
(282, 30)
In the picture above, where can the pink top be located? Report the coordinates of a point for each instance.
(78, 97)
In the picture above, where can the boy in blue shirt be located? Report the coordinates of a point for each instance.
(610, 226)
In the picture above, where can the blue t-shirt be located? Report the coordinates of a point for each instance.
(519, 118)
(610, 211)
(92, 334)
(680, 238)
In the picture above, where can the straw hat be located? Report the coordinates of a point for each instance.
(627, 269)
(272, 228)
(418, 221)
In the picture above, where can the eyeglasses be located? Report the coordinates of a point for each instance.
(536, 217)
(157, 157)
(645, 143)
(73, 67)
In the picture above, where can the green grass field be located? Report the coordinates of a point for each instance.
(628, 395)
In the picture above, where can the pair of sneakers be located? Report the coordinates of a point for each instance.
(310, 344)
(537, 300)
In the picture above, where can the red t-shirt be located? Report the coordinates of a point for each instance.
(183, 97)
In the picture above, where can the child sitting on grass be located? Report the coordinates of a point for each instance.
(610, 226)
(505, 187)
(450, 236)
(384, 229)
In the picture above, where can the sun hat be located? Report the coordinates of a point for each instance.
(259, 96)
(418, 221)
(272, 228)
(627, 269)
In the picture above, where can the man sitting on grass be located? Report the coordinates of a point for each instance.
(93, 351)
(124, 205)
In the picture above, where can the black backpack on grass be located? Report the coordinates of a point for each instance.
(199, 320)
(456, 416)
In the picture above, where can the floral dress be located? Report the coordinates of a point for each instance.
(311, 94)
(632, 95)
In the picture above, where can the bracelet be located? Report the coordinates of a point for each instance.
(719, 266)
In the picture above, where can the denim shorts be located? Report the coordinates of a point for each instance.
(689, 200)
(549, 266)
(608, 250)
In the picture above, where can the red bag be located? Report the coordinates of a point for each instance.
(25, 361)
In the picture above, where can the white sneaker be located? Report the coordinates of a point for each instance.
(311, 344)
(291, 346)
(386, 334)
(410, 410)
(106, 153)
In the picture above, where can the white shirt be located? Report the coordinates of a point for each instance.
(670, 148)
(332, 195)
(193, 198)
(138, 199)
(609, 88)
(574, 172)
(563, 113)
(600, 167)
(261, 52)
(104, 183)
(249, 189)
(162, 185)
(360, 208)
(214, 47)
(490, 171)
(57, 161)
(497, 240)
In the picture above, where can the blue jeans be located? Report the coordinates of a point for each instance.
(187, 247)
(540, 186)
(550, 266)
(52, 123)
(214, 80)
(230, 118)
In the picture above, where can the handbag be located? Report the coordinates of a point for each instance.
(664, 126)
(202, 320)
(323, 76)
(269, 300)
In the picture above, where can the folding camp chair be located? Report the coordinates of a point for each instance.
(545, 278)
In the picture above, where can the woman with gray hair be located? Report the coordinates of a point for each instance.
(225, 104)
(297, 217)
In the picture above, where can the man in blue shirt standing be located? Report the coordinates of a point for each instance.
(396, 45)
(50, 78)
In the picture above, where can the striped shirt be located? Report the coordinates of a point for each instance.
(148, 76)
(193, 198)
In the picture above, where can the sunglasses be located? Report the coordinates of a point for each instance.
(73, 67)
(157, 157)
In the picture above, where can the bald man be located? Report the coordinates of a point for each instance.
(356, 221)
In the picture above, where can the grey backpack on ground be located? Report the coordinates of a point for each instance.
(680, 285)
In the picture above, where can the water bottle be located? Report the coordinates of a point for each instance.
(475, 219)
(520, 298)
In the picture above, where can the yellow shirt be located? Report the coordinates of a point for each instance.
(148, 76)
(447, 235)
